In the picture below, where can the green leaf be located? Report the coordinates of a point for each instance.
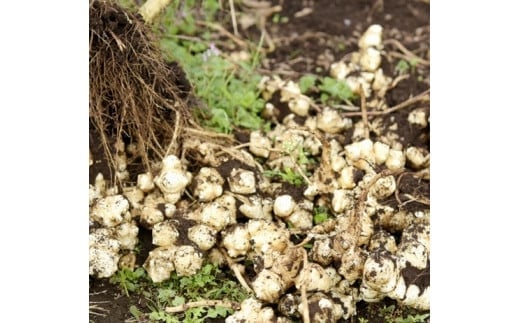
(218, 311)
(306, 82)
(337, 89)
(135, 312)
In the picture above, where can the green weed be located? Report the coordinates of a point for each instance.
(321, 214)
(335, 91)
(287, 175)
(207, 284)
(404, 66)
(391, 314)
(129, 280)
(228, 89)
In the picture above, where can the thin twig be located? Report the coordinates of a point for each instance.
(233, 17)
(423, 96)
(303, 286)
(409, 55)
(364, 116)
(411, 198)
(236, 271)
(398, 79)
(223, 31)
(355, 224)
(209, 302)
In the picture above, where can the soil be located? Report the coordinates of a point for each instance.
(309, 44)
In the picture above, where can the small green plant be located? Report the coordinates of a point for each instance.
(362, 320)
(404, 66)
(277, 18)
(129, 280)
(335, 91)
(387, 312)
(418, 318)
(321, 214)
(229, 90)
(287, 175)
(392, 314)
(210, 283)
(307, 82)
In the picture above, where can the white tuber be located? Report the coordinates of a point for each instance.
(382, 240)
(339, 70)
(381, 82)
(255, 207)
(145, 182)
(203, 236)
(268, 286)
(97, 190)
(300, 219)
(236, 241)
(165, 234)
(288, 265)
(373, 37)
(324, 308)
(346, 178)
(381, 271)
(381, 152)
(251, 311)
(417, 157)
(314, 277)
(134, 195)
(370, 44)
(342, 200)
(150, 216)
(159, 264)
(352, 261)
(127, 233)
(413, 252)
(330, 121)
(187, 261)
(219, 213)
(267, 237)
(370, 59)
(414, 298)
(289, 90)
(383, 187)
(127, 261)
(284, 205)
(322, 252)
(172, 179)
(300, 105)
(259, 145)
(242, 181)
(396, 159)
(103, 253)
(208, 184)
(418, 117)
(111, 210)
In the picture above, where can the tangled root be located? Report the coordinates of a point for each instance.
(135, 96)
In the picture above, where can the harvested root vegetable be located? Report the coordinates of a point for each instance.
(111, 210)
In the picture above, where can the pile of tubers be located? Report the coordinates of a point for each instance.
(366, 251)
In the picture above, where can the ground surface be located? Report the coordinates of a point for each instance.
(310, 43)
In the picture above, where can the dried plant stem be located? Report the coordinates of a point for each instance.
(355, 224)
(236, 270)
(209, 303)
(233, 17)
(303, 289)
(366, 132)
(222, 30)
(424, 96)
(411, 198)
(408, 53)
